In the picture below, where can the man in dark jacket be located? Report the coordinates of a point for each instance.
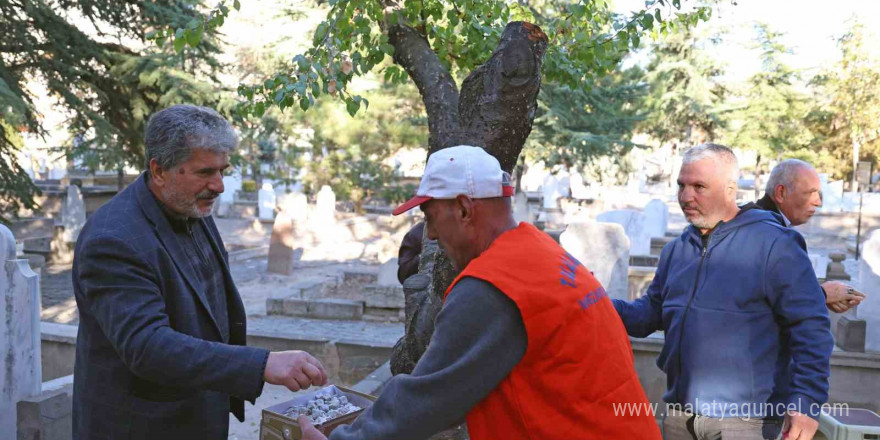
(160, 352)
(794, 191)
(746, 330)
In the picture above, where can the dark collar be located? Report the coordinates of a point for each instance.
(767, 204)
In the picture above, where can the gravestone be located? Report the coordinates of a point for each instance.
(835, 269)
(266, 200)
(388, 274)
(550, 191)
(388, 292)
(21, 374)
(325, 211)
(296, 205)
(634, 223)
(73, 215)
(579, 190)
(282, 245)
(656, 218)
(231, 185)
(869, 278)
(604, 249)
(521, 207)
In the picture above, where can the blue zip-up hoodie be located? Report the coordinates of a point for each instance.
(747, 331)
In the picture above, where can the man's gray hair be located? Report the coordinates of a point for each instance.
(785, 174)
(719, 153)
(174, 132)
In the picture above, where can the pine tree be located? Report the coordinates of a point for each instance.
(101, 71)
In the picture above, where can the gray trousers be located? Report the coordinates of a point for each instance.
(686, 426)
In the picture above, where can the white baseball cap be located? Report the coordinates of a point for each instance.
(464, 169)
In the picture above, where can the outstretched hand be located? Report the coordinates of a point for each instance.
(297, 370)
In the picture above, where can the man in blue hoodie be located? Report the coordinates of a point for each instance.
(747, 341)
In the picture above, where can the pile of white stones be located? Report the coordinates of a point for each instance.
(323, 408)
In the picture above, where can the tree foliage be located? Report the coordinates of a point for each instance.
(577, 126)
(846, 117)
(588, 41)
(769, 118)
(685, 100)
(92, 58)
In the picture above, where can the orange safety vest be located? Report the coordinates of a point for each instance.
(578, 364)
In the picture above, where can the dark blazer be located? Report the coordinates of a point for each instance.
(150, 362)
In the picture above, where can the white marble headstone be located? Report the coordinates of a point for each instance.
(521, 207)
(656, 218)
(869, 283)
(266, 202)
(604, 249)
(231, 184)
(579, 190)
(73, 216)
(550, 190)
(326, 206)
(295, 205)
(20, 369)
(634, 223)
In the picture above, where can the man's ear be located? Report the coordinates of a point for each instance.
(157, 174)
(464, 208)
(779, 193)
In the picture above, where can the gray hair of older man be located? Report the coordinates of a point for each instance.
(173, 133)
(721, 154)
(785, 174)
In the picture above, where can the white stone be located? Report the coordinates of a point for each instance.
(266, 202)
(326, 206)
(521, 207)
(73, 215)
(869, 283)
(656, 218)
(231, 184)
(21, 373)
(579, 190)
(295, 204)
(388, 274)
(555, 186)
(634, 223)
(604, 249)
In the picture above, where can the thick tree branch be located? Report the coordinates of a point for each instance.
(499, 98)
(436, 86)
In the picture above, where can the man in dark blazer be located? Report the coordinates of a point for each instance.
(161, 352)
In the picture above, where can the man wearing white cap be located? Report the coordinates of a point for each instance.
(527, 344)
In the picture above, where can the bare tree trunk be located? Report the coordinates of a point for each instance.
(494, 110)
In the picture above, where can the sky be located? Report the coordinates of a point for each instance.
(811, 29)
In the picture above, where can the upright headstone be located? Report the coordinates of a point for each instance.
(521, 207)
(73, 216)
(296, 205)
(282, 245)
(604, 249)
(326, 206)
(388, 274)
(633, 223)
(869, 283)
(231, 184)
(550, 192)
(266, 200)
(20, 374)
(579, 190)
(656, 218)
